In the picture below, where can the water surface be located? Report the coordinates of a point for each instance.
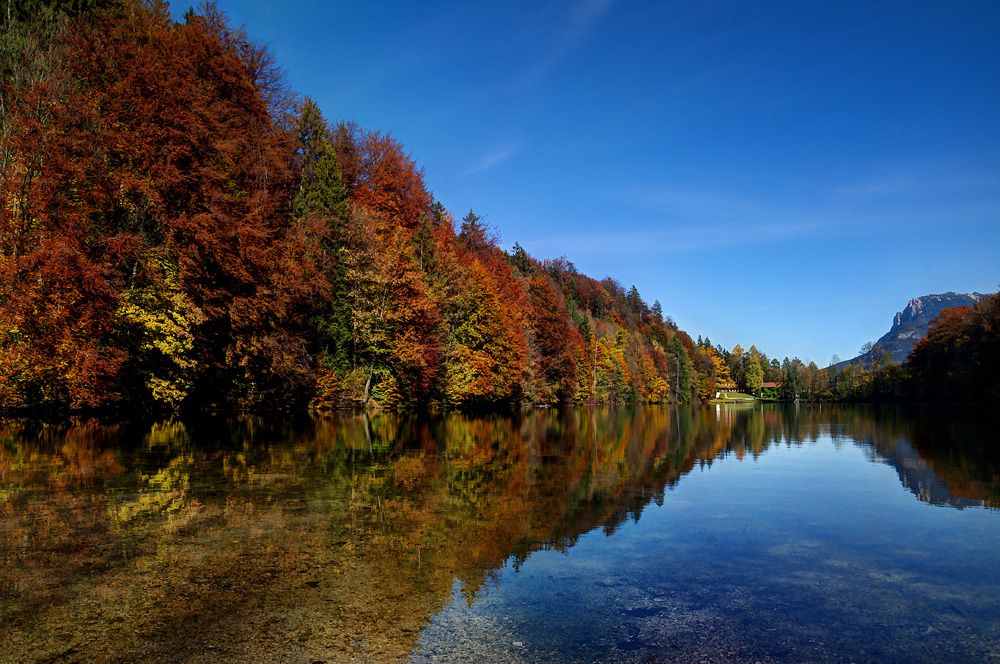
(734, 534)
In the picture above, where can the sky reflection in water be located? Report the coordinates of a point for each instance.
(807, 553)
(586, 535)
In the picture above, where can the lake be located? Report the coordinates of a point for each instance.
(755, 533)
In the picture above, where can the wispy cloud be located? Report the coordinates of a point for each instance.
(886, 184)
(688, 204)
(664, 221)
(694, 219)
(574, 26)
(495, 157)
(671, 240)
(923, 181)
(583, 15)
(697, 221)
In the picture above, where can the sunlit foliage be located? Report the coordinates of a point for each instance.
(179, 229)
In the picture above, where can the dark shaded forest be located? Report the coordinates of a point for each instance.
(181, 229)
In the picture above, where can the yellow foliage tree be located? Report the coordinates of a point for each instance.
(160, 319)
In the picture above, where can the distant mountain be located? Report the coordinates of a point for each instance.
(910, 325)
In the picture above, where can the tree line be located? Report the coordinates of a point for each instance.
(958, 360)
(181, 228)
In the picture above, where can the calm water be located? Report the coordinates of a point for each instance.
(753, 534)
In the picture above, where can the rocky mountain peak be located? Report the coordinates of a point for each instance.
(910, 325)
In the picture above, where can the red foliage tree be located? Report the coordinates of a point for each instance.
(557, 341)
(158, 149)
(388, 182)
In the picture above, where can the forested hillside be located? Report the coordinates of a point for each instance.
(910, 325)
(959, 359)
(180, 228)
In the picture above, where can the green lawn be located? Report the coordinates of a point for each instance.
(736, 396)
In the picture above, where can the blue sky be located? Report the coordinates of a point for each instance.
(784, 174)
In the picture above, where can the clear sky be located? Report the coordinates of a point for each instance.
(784, 174)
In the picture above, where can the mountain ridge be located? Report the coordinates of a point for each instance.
(910, 325)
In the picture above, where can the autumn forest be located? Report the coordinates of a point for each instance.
(180, 228)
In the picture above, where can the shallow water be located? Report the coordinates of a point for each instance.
(728, 534)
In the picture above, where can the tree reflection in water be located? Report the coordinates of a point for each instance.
(270, 538)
